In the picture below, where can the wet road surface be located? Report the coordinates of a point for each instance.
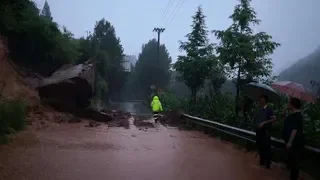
(74, 152)
(133, 107)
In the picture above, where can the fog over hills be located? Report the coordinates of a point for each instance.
(304, 70)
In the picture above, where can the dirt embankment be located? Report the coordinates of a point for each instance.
(20, 84)
(12, 85)
(172, 118)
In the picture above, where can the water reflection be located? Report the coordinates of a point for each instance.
(135, 108)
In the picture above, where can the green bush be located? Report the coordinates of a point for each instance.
(220, 108)
(171, 102)
(12, 117)
(312, 125)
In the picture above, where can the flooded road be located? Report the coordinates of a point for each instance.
(74, 152)
(133, 107)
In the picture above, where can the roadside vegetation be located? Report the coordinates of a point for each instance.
(34, 41)
(241, 55)
(12, 118)
(37, 42)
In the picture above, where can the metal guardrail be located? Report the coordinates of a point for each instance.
(219, 126)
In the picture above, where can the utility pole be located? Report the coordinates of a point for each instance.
(159, 31)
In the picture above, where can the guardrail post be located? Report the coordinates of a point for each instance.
(188, 122)
(247, 146)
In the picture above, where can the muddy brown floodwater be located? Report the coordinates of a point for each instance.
(75, 152)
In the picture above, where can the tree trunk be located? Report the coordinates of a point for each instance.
(238, 92)
(193, 95)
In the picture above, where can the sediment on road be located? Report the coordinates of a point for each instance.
(143, 121)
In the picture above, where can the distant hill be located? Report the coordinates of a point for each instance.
(304, 70)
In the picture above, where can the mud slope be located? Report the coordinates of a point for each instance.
(12, 85)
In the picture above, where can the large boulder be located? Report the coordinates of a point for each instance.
(70, 87)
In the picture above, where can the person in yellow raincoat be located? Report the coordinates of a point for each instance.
(156, 107)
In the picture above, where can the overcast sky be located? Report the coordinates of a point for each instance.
(293, 23)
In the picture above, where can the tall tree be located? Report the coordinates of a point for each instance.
(246, 53)
(196, 65)
(149, 70)
(109, 54)
(46, 12)
(217, 77)
(34, 41)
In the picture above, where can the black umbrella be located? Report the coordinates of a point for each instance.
(255, 90)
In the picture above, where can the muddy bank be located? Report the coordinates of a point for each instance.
(174, 119)
(40, 117)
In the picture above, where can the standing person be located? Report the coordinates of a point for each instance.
(263, 118)
(156, 107)
(294, 137)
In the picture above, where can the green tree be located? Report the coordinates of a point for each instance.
(34, 41)
(37, 42)
(217, 77)
(85, 48)
(149, 71)
(246, 53)
(177, 86)
(196, 65)
(46, 12)
(105, 47)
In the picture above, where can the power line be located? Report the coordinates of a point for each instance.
(165, 12)
(174, 13)
(167, 19)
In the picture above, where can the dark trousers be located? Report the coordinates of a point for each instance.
(264, 146)
(155, 116)
(294, 161)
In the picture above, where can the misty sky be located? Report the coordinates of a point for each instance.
(293, 23)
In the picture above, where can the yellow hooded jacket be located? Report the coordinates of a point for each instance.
(156, 104)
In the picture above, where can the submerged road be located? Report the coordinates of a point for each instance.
(75, 152)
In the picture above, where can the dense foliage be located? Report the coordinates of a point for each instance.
(12, 117)
(106, 50)
(33, 40)
(243, 56)
(196, 66)
(39, 43)
(46, 12)
(246, 53)
(149, 70)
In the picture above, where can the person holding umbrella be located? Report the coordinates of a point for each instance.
(263, 118)
(293, 124)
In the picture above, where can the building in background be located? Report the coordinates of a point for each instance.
(128, 62)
